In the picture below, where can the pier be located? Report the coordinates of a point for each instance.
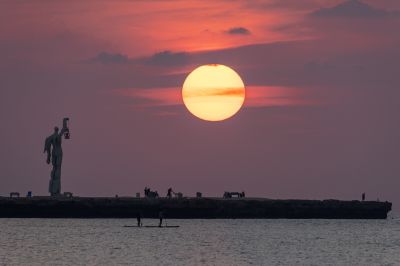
(189, 208)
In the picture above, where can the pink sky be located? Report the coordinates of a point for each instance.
(320, 120)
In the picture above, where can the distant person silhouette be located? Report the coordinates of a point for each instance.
(161, 216)
(169, 193)
(139, 220)
(363, 196)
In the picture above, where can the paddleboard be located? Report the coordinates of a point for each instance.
(154, 226)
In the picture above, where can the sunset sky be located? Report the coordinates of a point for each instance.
(320, 119)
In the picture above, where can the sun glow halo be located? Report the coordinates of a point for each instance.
(213, 92)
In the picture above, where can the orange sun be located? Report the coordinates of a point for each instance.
(213, 92)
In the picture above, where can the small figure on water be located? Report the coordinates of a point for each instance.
(139, 219)
(363, 196)
(161, 216)
(52, 147)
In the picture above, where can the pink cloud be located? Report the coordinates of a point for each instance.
(153, 97)
(267, 96)
(256, 96)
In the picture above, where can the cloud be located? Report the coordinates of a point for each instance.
(163, 59)
(256, 96)
(166, 58)
(352, 9)
(152, 97)
(238, 31)
(110, 58)
(216, 92)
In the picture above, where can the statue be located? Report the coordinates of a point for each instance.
(54, 155)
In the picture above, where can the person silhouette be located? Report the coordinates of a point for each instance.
(139, 219)
(169, 193)
(160, 216)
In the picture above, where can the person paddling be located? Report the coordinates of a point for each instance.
(160, 215)
(139, 220)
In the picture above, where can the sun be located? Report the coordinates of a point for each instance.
(213, 92)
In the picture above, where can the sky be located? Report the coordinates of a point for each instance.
(320, 119)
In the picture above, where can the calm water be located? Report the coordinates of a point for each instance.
(199, 242)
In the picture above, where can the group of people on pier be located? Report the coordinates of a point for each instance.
(154, 194)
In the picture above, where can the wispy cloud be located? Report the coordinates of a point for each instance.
(256, 96)
(166, 58)
(110, 58)
(152, 97)
(162, 59)
(238, 31)
(352, 9)
(216, 92)
(269, 96)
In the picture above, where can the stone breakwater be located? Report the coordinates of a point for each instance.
(190, 208)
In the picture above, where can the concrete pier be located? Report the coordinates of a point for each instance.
(190, 208)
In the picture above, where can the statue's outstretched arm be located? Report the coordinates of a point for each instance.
(65, 126)
(62, 132)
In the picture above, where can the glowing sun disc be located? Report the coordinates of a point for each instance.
(213, 92)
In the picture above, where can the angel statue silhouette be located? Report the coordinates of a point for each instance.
(52, 147)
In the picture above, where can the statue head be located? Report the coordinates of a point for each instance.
(56, 129)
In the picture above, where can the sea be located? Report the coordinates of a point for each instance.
(199, 242)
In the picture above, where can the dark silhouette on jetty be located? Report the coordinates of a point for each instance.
(189, 208)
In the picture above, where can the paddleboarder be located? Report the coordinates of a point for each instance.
(161, 216)
(139, 220)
